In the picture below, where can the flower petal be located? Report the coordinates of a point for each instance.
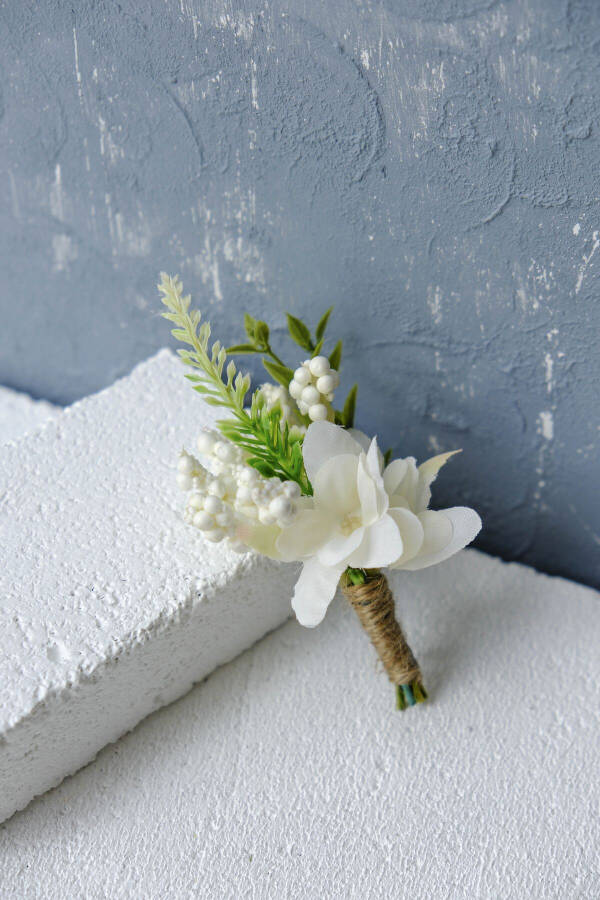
(412, 534)
(427, 474)
(310, 530)
(340, 547)
(315, 589)
(322, 441)
(401, 478)
(334, 486)
(375, 460)
(375, 469)
(367, 493)
(262, 538)
(361, 438)
(380, 546)
(394, 475)
(464, 524)
(365, 442)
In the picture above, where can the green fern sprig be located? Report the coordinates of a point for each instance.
(216, 391)
(258, 431)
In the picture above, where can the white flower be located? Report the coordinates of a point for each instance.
(362, 517)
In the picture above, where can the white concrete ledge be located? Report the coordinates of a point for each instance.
(289, 774)
(110, 605)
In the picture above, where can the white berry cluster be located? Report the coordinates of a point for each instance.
(273, 394)
(312, 388)
(223, 496)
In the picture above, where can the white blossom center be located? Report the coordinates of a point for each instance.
(350, 523)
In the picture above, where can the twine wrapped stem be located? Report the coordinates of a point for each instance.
(370, 595)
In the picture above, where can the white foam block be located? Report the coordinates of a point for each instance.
(289, 774)
(20, 414)
(110, 605)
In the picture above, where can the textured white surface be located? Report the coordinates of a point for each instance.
(20, 414)
(111, 606)
(288, 773)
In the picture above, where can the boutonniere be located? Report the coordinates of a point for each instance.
(287, 475)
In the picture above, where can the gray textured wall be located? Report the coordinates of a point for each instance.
(431, 167)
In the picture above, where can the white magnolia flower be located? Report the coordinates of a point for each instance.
(363, 517)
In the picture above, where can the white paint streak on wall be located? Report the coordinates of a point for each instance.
(77, 70)
(133, 240)
(546, 425)
(111, 224)
(64, 252)
(254, 86)
(56, 195)
(247, 261)
(434, 302)
(586, 261)
(207, 266)
(14, 197)
(434, 444)
(549, 367)
(107, 142)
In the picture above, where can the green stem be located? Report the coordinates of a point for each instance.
(356, 576)
(274, 356)
(410, 694)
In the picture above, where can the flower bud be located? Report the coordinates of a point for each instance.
(319, 366)
(326, 384)
(213, 505)
(310, 395)
(317, 412)
(206, 442)
(184, 482)
(302, 376)
(203, 520)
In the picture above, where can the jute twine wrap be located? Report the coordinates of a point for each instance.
(374, 605)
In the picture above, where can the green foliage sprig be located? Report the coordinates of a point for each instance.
(258, 430)
(274, 449)
(258, 334)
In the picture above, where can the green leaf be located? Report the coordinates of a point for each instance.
(250, 325)
(243, 348)
(387, 456)
(350, 407)
(261, 334)
(299, 333)
(318, 348)
(261, 466)
(280, 373)
(319, 333)
(335, 357)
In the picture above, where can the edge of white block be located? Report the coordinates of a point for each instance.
(70, 727)
(112, 606)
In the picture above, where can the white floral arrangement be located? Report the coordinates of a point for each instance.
(287, 475)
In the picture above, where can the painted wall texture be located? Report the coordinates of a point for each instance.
(431, 167)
